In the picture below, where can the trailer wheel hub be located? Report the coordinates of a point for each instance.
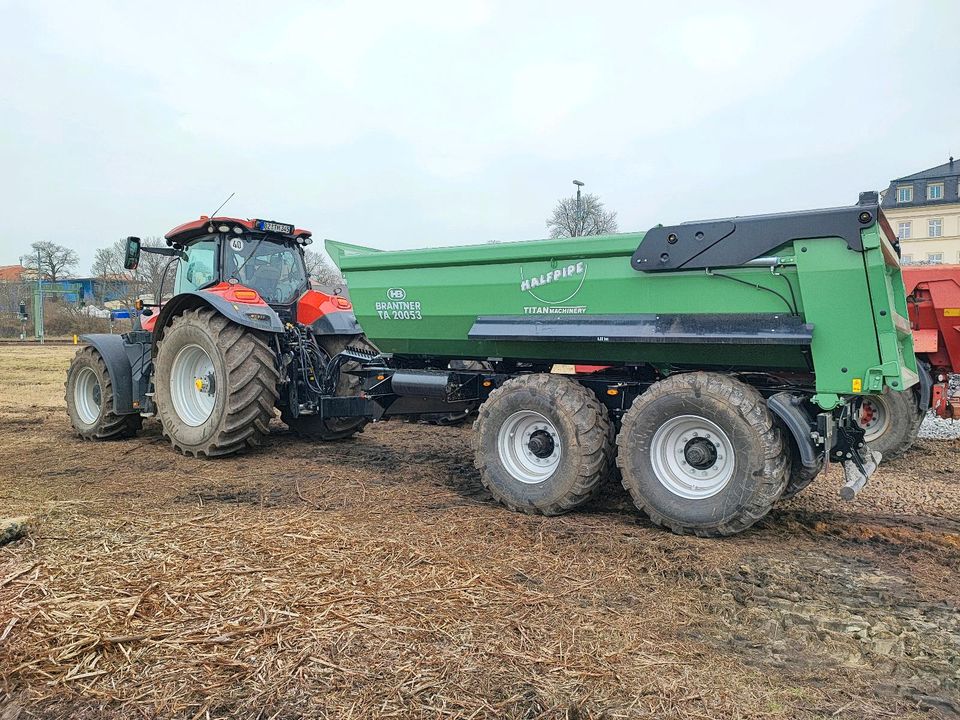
(528, 444)
(692, 457)
(874, 418)
(541, 444)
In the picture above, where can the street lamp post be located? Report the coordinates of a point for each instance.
(579, 224)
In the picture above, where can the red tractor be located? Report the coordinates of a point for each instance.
(243, 334)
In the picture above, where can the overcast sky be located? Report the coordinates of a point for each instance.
(404, 124)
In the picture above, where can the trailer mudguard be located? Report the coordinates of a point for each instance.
(788, 407)
(114, 351)
(258, 316)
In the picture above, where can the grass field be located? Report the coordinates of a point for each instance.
(372, 578)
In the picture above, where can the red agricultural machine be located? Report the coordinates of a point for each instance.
(243, 333)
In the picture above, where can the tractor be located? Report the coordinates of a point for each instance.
(243, 335)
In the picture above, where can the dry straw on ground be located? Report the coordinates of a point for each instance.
(372, 579)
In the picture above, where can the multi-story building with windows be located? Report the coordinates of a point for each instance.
(924, 211)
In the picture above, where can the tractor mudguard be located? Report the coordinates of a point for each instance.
(327, 314)
(258, 316)
(124, 356)
(789, 409)
(343, 322)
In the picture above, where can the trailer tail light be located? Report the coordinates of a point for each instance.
(612, 391)
(342, 303)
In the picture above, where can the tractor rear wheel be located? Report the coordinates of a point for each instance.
(89, 396)
(543, 444)
(215, 384)
(700, 454)
(890, 422)
(315, 428)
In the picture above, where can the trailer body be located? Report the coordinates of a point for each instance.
(823, 298)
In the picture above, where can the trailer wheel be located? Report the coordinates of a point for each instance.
(800, 477)
(314, 428)
(701, 454)
(89, 396)
(543, 444)
(216, 384)
(891, 422)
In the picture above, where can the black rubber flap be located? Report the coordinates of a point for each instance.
(699, 329)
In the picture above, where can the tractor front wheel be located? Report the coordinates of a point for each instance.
(89, 396)
(324, 429)
(215, 384)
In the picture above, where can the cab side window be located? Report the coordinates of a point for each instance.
(199, 268)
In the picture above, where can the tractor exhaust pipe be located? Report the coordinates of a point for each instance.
(855, 479)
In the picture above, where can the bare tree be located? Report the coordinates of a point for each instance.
(50, 261)
(127, 285)
(589, 218)
(322, 270)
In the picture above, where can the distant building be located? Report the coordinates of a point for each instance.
(924, 211)
(11, 273)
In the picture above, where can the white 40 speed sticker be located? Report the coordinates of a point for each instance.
(399, 310)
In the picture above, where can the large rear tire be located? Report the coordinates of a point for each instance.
(891, 422)
(89, 396)
(700, 454)
(314, 428)
(215, 383)
(543, 444)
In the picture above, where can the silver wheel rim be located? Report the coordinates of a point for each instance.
(692, 457)
(874, 418)
(529, 447)
(193, 385)
(87, 395)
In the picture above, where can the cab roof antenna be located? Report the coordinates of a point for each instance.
(214, 213)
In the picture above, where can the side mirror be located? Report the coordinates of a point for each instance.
(131, 258)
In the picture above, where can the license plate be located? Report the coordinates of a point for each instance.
(271, 226)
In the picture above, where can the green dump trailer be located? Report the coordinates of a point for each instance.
(737, 351)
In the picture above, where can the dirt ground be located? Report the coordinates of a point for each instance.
(371, 578)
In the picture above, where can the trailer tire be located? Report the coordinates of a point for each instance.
(800, 476)
(89, 397)
(568, 449)
(894, 422)
(320, 429)
(700, 454)
(240, 384)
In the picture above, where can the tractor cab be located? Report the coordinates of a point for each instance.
(232, 263)
(260, 255)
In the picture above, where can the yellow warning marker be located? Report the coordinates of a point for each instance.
(857, 384)
(75, 339)
(951, 312)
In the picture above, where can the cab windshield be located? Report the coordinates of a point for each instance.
(274, 269)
